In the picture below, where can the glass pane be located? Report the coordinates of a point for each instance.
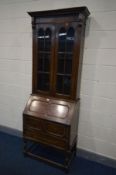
(62, 39)
(40, 65)
(41, 62)
(44, 55)
(41, 39)
(68, 64)
(43, 81)
(63, 84)
(61, 50)
(44, 62)
(47, 63)
(47, 39)
(61, 59)
(65, 57)
(70, 40)
(59, 87)
(67, 84)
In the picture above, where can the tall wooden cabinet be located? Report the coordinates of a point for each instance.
(50, 118)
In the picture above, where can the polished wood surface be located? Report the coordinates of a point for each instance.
(52, 122)
(61, 12)
(53, 109)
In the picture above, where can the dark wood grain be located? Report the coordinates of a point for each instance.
(58, 12)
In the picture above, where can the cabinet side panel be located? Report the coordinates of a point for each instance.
(82, 38)
(74, 125)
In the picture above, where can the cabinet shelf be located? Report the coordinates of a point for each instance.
(44, 52)
(65, 74)
(43, 72)
(66, 53)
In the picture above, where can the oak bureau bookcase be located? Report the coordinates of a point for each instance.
(50, 118)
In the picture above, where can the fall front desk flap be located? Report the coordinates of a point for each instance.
(51, 109)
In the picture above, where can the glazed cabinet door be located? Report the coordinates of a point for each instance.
(56, 59)
(43, 58)
(67, 38)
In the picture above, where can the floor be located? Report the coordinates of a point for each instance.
(12, 161)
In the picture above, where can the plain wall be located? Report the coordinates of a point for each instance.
(97, 126)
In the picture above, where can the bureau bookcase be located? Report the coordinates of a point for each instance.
(51, 115)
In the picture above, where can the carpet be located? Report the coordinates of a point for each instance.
(12, 161)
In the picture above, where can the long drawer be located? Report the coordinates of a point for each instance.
(46, 132)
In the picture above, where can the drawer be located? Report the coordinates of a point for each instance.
(47, 127)
(50, 140)
(55, 129)
(32, 122)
